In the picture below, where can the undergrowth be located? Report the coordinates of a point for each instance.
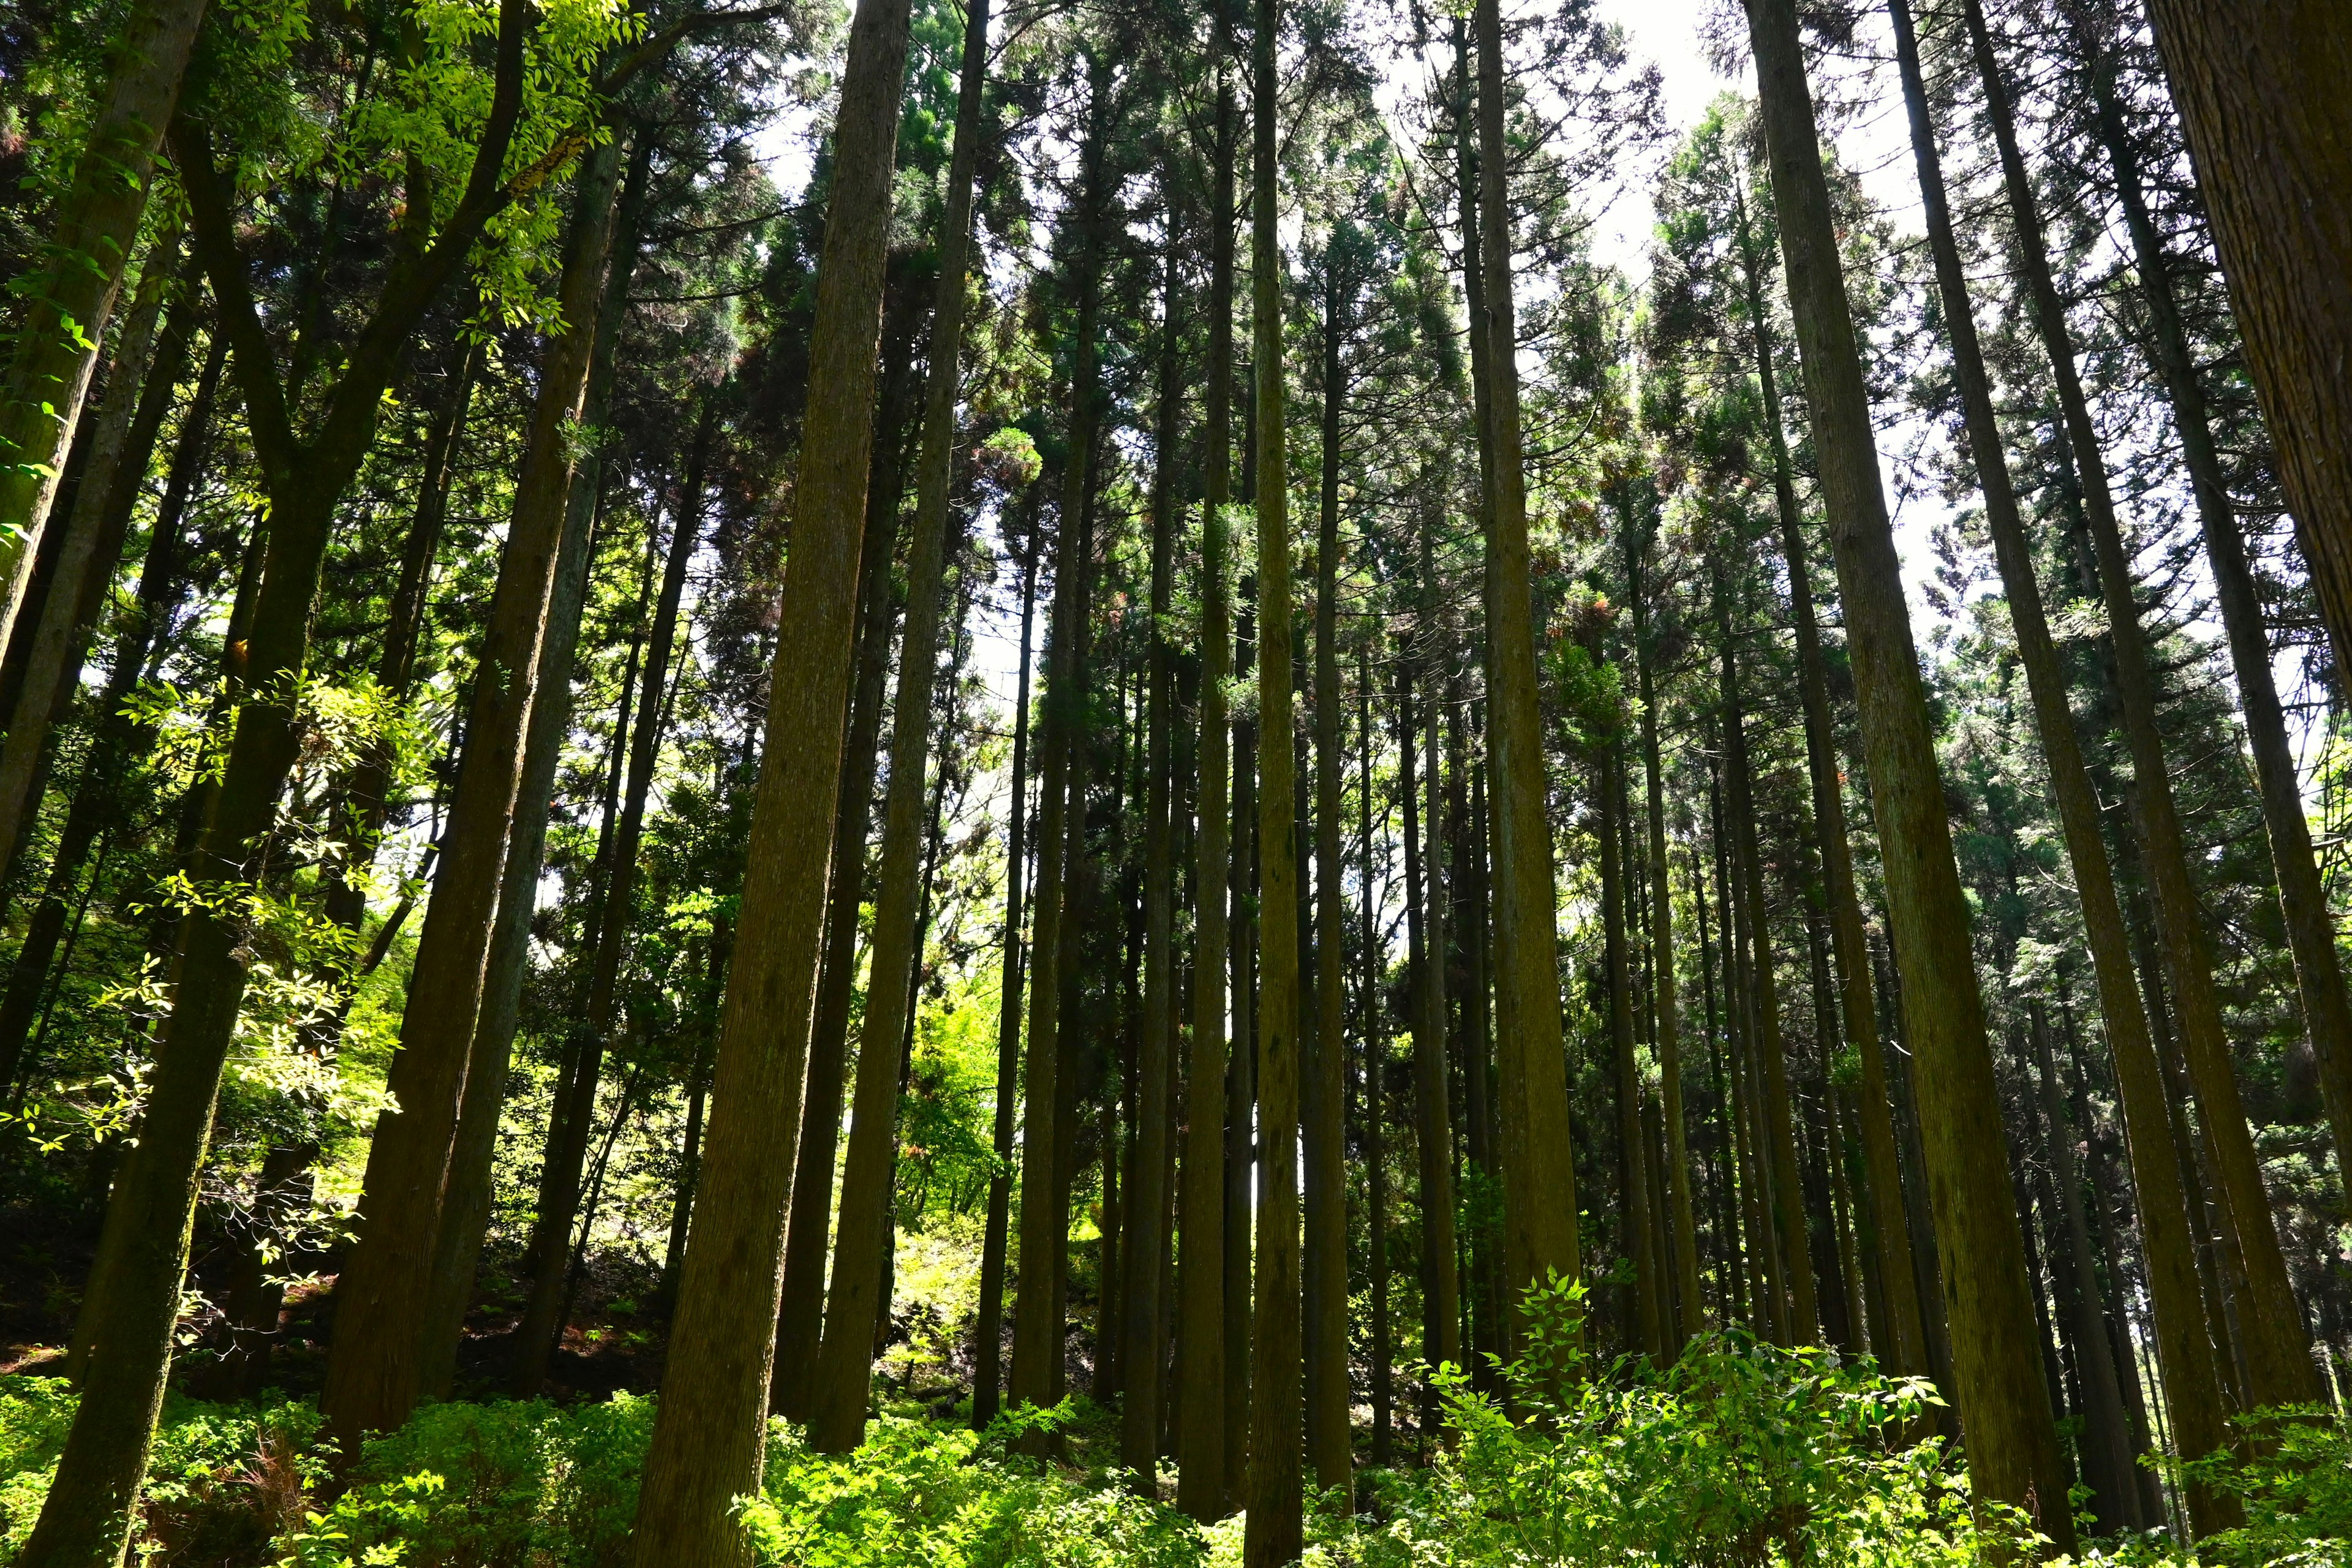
(1741, 1454)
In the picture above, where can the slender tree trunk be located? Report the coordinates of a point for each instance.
(2012, 1450)
(67, 299)
(465, 1213)
(1375, 1035)
(550, 1243)
(1633, 1197)
(988, 1331)
(1775, 1110)
(373, 1378)
(1905, 1347)
(2303, 900)
(1330, 1445)
(1277, 1415)
(1146, 1195)
(2261, 90)
(1037, 1338)
(1692, 1317)
(132, 1304)
(118, 743)
(1201, 1489)
(1441, 1314)
(2189, 1380)
(2278, 1347)
(1538, 1170)
(1241, 1147)
(141, 384)
(2106, 1445)
(854, 1302)
(709, 1440)
(808, 1230)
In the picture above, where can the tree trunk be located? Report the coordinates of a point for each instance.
(1538, 1170)
(2278, 1347)
(2190, 1381)
(118, 744)
(1037, 1339)
(1203, 1247)
(2012, 1449)
(1147, 1196)
(1440, 1315)
(854, 1302)
(140, 386)
(808, 1230)
(1904, 1350)
(1634, 1196)
(1774, 1109)
(1273, 1537)
(465, 1212)
(381, 1298)
(1330, 1445)
(988, 1330)
(2303, 898)
(132, 1303)
(68, 297)
(1376, 1037)
(1690, 1319)
(1202, 1491)
(709, 1440)
(2261, 90)
(567, 1151)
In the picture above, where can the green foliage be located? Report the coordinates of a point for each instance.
(950, 1498)
(2297, 1490)
(1740, 1453)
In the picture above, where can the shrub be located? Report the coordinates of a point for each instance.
(1739, 1453)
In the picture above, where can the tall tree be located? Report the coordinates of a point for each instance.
(1200, 1489)
(2013, 1449)
(2186, 1356)
(1539, 1172)
(2259, 88)
(709, 1440)
(1273, 1533)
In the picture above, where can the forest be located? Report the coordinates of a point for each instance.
(1256, 782)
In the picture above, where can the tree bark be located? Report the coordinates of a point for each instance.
(1147, 1196)
(988, 1330)
(2260, 89)
(1329, 1444)
(854, 1301)
(1691, 1318)
(1774, 1109)
(709, 1440)
(1202, 1244)
(2189, 1379)
(2277, 1345)
(1539, 1172)
(808, 1230)
(466, 1211)
(374, 1374)
(1037, 1338)
(1904, 1350)
(140, 386)
(2303, 898)
(550, 1243)
(69, 297)
(118, 743)
(2013, 1449)
(1633, 1197)
(1273, 1536)
(132, 1303)
(1433, 1121)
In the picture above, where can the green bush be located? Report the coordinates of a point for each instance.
(1740, 1453)
(949, 1498)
